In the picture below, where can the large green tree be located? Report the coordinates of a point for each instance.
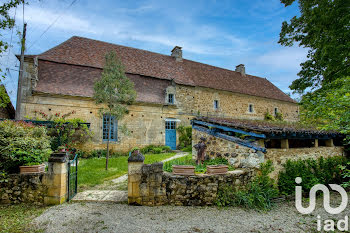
(114, 91)
(324, 27)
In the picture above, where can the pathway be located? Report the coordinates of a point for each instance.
(113, 190)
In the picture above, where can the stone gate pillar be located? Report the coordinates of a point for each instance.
(56, 179)
(135, 163)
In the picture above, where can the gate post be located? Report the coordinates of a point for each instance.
(56, 179)
(135, 163)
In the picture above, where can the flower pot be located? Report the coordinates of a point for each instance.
(186, 170)
(32, 169)
(217, 169)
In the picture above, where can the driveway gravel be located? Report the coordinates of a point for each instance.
(109, 217)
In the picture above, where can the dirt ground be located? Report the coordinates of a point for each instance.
(108, 217)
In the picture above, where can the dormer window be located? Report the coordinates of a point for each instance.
(216, 104)
(171, 98)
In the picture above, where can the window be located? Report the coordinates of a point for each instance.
(276, 111)
(170, 98)
(170, 125)
(113, 129)
(251, 108)
(216, 104)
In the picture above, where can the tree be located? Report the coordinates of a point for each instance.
(114, 91)
(6, 23)
(329, 107)
(323, 27)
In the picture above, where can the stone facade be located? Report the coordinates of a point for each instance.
(237, 155)
(152, 187)
(146, 121)
(18, 188)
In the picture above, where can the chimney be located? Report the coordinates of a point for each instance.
(177, 53)
(241, 69)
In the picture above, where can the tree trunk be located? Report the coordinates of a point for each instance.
(108, 136)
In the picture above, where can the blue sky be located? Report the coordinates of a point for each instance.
(221, 33)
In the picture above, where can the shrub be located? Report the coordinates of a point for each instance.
(268, 117)
(279, 116)
(345, 174)
(185, 136)
(22, 144)
(258, 194)
(187, 148)
(320, 171)
(152, 149)
(101, 153)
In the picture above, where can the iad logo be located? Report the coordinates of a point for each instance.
(329, 225)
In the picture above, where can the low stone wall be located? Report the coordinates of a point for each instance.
(280, 156)
(151, 186)
(18, 188)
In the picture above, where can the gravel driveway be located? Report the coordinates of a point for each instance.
(107, 217)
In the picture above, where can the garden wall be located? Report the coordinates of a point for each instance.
(149, 185)
(28, 188)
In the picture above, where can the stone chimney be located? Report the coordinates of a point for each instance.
(177, 53)
(241, 69)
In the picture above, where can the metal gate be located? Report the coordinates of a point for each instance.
(72, 178)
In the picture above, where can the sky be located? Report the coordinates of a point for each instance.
(220, 33)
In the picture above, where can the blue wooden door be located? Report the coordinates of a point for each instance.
(170, 134)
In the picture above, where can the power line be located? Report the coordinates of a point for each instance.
(8, 55)
(72, 3)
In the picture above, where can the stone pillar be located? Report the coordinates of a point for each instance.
(284, 144)
(329, 142)
(135, 163)
(316, 143)
(56, 179)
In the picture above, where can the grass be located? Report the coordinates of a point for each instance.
(187, 160)
(92, 171)
(16, 218)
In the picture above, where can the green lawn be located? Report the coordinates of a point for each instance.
(92, 171)
(16, 218)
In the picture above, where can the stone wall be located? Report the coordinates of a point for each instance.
(145, 121)
(18, 188)
(280, 156)
(237, 155)
(154, 187)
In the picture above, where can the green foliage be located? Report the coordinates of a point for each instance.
(65, 132)
(100, 153)
(320, 171)
(185, 136)
(187, 160)
(4, 98)
(22, 144)
(268, 117)
(187, 148)
(329, 107)
(323, 27)
(258, 194)
(279, 116)
(345, 169)
(154, 149)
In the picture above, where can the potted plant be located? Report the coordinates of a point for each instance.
(217, 169)
(187, 170)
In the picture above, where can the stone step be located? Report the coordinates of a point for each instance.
(114, 196)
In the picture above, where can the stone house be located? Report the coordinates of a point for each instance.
(171, 91)
(7, 112)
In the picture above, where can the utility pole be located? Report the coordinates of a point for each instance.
(20, 77)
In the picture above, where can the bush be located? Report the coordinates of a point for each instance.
(100, 153)
(187, 148)
(320, 171)
(22, 144)
(345, 174)
(268, 117)
(152, 149)
(258, 194)
(185, 136)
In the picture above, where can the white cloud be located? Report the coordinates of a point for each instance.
(284, 58)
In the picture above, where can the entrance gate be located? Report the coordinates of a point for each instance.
(72, 182)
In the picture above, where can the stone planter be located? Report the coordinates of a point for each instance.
(186, 170)
(217, 169)
(32, 169)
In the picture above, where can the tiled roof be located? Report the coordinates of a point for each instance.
(267, 127)
(87, 53)
(63, 79)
